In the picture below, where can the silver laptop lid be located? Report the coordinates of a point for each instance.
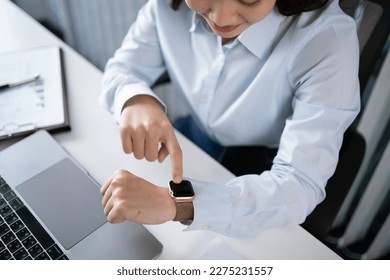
(66, 200)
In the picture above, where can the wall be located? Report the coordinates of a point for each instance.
(93, 28)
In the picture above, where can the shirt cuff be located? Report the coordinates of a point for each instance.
(126, 92)
(212, 207)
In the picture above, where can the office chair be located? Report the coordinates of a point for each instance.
(373, 21)
(319, 222)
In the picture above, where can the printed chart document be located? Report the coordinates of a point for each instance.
(36, 104)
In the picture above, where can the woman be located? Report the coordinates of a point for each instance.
(280, 74)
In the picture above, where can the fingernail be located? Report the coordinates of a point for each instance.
(177, 179)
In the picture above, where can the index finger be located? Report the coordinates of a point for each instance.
(174, 150)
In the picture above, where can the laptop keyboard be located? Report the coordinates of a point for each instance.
(21, 235)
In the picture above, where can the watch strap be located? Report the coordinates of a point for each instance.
(184, 211)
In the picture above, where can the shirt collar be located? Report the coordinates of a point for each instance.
(259, 37)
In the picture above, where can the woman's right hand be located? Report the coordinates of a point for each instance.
(146, 132)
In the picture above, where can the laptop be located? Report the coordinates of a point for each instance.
(50, 208)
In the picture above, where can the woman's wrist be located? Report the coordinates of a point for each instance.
(142, 99)
(168, 204)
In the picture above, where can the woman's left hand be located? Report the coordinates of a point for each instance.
(128, 197)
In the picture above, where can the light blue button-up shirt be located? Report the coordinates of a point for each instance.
(287, 82)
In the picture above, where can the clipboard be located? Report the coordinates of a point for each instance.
(38, 104)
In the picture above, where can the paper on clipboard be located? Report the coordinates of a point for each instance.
(38, 104)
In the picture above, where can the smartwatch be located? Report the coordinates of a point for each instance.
(183, 195)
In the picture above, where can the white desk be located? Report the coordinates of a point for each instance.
(94, 142)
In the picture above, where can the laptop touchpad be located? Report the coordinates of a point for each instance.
(66, 200)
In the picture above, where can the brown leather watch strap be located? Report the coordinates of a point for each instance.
(184, 211)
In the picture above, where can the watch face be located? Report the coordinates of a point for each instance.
(183, 189)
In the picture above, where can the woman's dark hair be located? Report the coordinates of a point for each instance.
(286, 7)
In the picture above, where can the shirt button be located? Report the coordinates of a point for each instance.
(205, 227)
